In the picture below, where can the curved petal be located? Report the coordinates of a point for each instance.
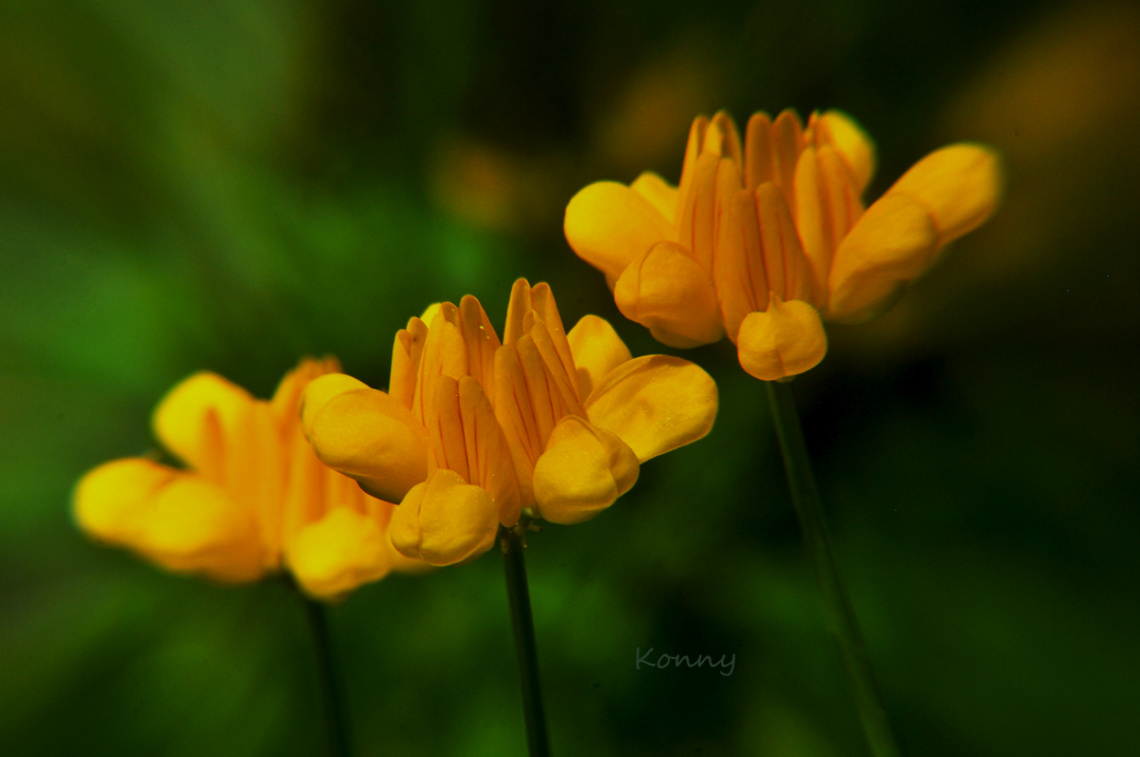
(787, 142)
(786, 340)
(811, 213)
(723, 138)
(286, 402)
(490, 465)
(784, 267)
(431, 311)
(960, 186)
(182, 421)
(654, 404)
(659, 193)
(192, 526)
(444, 354)
(467, 439)
(891, 245)
(757, 150)
(582, 472)
(739, 274)
(366, 434)
(480, 339)
(552, 343)
(666, 291)
(608, 225)
(338, 553)
(597, 350)
(109, 500)
(401, 563)
(852, 144)
(696, 225)
(444, 520)
(513, 410)
(406, 351)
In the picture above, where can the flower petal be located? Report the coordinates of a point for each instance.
(337, 554)
(787, 143)
(561, 377)
(401, 563)
(406, 351)
(519, 306)
(192, 526)
(608, 225)
(665, 290)
(306, 481)
(255, 464)
(444, 520)
(693, 148)
(852, 144)
(722, 138)
(286, 402)
(181, 419)
(786, 268)
(489, 460)
(366, 434)
(659, 193)
(480, 339)
(738, 267)
(655, 403)
(840, 200)
(890, 246)
(758, 151)
(582, 472)
(444, 354)
(513, 410)
(597, 350)
(468, 440)
(555, 349)
(811, 214)
(696, 228)
(786, 340)
(108, 500)
(445, 428)
(959, 185)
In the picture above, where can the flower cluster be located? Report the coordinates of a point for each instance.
(474, 432)
(762, 241)
(254, 499)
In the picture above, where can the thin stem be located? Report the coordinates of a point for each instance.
(523, 627)
(840, 616)
(329, 680)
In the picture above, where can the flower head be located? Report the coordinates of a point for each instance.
(761, 241)
(253, 500)
(473, 431)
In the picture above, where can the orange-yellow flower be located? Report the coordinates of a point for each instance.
(473, 432)
(254, 499)
(761, 243)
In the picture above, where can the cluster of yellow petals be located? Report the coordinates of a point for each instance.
(762, 242)
(254, 499)
(473, 432)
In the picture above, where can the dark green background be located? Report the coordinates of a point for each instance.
(231, 184)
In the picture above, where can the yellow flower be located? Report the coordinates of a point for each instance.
(473, 431)
(254, 499)
(762, 243)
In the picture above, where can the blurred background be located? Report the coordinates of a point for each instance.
(232, 184)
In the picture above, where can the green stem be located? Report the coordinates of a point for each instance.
(329, 681)
(523, 627)
(840, 616)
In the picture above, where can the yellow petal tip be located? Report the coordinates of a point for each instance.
(784, 341)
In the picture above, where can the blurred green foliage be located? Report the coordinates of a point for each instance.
(233, 184)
